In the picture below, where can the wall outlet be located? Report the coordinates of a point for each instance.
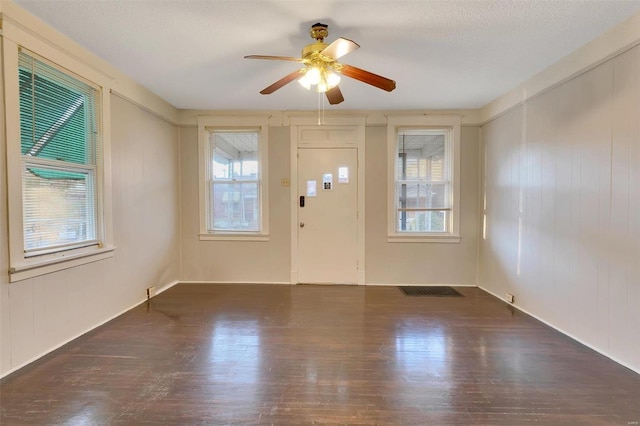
(151, 291)
(510, 298)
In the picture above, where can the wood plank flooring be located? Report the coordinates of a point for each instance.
(289, 355)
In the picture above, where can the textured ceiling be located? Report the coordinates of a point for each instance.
(442, 54)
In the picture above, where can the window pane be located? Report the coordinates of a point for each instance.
(423, 195)
(58, 121)
(235, 206)
(421, 155)
(57, 117)
(429, 221)
(235, 155)
(59, 207)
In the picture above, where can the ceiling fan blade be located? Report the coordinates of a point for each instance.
(368, 77)
(282, 82)
(334, 96)
(339, 48)
(275, 58)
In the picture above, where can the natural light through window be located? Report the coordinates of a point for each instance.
(423, 187)
(233, 185)
(59, 146)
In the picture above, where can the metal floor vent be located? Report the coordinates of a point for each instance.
(438, 291)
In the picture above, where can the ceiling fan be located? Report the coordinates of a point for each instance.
(321, 68)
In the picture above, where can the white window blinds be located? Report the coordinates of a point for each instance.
(59, 140)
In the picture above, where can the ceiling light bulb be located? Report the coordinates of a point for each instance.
(313, 76)
(322, 86)
(332, 79)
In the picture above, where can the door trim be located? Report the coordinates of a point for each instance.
(355, 126)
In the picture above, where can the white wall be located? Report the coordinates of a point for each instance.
(420, 263)
(563, 207)
(562, 204)
(236, 261)
(41, 313)
(386, 263)
(5, 328)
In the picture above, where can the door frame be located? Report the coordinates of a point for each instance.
(339, 131)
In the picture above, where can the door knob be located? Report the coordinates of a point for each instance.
(301, 224)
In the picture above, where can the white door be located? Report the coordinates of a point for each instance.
(328, 221)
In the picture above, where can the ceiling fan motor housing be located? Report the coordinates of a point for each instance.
(312, 49)
(318, 32)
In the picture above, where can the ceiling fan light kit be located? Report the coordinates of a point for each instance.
(322, 69)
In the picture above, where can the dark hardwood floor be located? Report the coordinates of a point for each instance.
(263, 354)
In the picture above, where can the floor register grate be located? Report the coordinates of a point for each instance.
(437, 291)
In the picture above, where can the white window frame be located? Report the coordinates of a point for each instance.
(209, 124)
(21, 266)
(451, 125)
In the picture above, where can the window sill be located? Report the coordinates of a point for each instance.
(34, 267)
(234, 237)
(428, 238)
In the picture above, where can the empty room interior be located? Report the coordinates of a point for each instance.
(336, 212)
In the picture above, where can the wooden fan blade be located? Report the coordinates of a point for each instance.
(368, 77)
(334, 96)
(339, 48)
(282, 82)
(274, 58)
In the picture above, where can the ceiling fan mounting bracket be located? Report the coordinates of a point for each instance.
(319, 31)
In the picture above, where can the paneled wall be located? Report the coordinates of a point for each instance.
(41, 313)
(562, 207)
(420, 263)
(236, 261)
(386, 263)
(5, 326)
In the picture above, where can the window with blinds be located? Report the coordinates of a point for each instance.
(234, 182)
(59, 141)
(423, 183)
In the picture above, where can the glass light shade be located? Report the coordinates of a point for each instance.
(323, 78)
(304, 82)
(332, 79)
(313, 76)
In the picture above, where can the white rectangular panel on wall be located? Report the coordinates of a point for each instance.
(563, 207)
(624, 290)
(327, 137)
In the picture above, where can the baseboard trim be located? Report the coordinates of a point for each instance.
(167, 287)
(236, 282)
(582, 342)
(419, 285)
(48, 351)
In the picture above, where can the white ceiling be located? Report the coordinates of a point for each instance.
(443, 54)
